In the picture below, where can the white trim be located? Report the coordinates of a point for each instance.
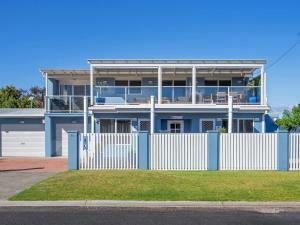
(188, 65)
(91, 84)
(181, 122)
(208, 119)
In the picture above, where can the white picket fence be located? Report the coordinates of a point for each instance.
(248, 151)
(178, 151)
(294, 153)
(109, 151)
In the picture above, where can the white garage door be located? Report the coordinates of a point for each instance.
(62, 137)
(23, 140)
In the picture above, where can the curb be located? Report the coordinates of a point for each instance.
(154, 204)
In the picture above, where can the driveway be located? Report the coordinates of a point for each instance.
(17, 174)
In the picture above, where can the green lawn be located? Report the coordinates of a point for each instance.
(167, 185)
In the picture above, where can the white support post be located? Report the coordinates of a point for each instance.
(152, 112)
(85, 115)
(92, 84)
(92, 123)
(229, 114)
(262, 85)
(265, 88)
(194, 83)
(263, 123)
(159, 85)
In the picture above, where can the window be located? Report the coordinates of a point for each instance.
(224, 82)
(123, 126)
(121, 83)
(144, 125)
(239, 125)
(179, 82)
(107, 126)
(135, 87)
(206, 125)
(246, 126)
(211, 83)
(167, 83)
(79, 90)
(65, 90)
(175, 126)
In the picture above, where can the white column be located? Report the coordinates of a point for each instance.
(263, 123)
(265, 88)
(159, 84)
(229, 114)
(46, 98)
(194, 84)
(85, 115)
(152, 114)
(92, 84)
(92, 123)
(262, 85)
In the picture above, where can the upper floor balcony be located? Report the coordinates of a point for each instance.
(114, 95)
(171, 82)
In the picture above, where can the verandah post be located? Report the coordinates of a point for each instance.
(73, 150)
(213, 150)
(143, 150)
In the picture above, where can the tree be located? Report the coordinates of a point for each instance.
(11, 97)
(290, 119)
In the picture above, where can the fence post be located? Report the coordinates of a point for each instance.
(73, 150)
(143, 149)
(213, 150)
(283, 150)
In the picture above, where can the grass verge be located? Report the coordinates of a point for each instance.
(166, 185)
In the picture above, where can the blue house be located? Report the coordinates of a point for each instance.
(189, 96)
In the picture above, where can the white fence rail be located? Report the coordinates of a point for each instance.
(248, 151)
(294, 151)
(178, 151)
(109, 151)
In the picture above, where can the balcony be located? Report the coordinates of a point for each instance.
(63, 104)
(113, 95)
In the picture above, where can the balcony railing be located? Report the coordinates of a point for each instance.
(242, 95)
(177, 94)
(60, 103)
(113, 95)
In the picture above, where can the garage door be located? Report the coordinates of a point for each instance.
(23, 140)
(62, 137)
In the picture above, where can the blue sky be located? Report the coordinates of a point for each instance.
(64, 34)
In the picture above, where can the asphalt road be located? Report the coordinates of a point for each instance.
(132, 216)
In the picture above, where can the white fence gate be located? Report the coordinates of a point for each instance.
(248, 151)
(294, 151)
(109, 151)
(178, 151)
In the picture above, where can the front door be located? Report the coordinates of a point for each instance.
(175, 126)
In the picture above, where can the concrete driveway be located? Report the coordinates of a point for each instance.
(17, 174)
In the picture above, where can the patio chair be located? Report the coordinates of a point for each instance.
(207, 99)
(221, 97)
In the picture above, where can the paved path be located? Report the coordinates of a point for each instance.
(17, 174)
(133, 216)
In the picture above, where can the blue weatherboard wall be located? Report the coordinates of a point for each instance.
(51, 122)
(53, 86)
(271, 126)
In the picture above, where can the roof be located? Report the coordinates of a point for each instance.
(23, 113)
(65, 72)
(176, 61)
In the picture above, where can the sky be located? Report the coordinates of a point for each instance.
(64, 34)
